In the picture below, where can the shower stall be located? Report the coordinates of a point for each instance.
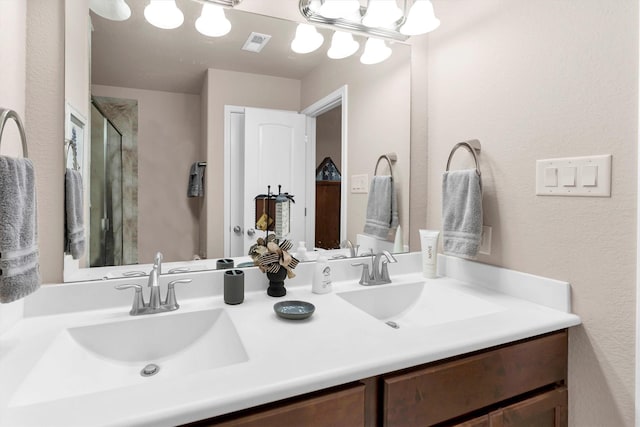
(106, 200)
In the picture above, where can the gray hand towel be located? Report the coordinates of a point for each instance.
(382, 207)
(461, 213)
(19, 267)
(196, 177)
(74, 214)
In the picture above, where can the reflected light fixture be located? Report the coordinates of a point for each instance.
(382, 13)
(421, 19)
(307, 39)
(212, 21)
(163, 14)
(375, 51)
(115, 10)
(342, 45)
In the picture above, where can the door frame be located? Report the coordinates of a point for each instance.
(228, 110)
(335, 98)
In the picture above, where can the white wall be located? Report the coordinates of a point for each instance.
(168, 123)
(545, 79)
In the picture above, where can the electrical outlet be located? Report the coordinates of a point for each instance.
(485, 242)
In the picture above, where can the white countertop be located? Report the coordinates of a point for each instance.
(337, 345)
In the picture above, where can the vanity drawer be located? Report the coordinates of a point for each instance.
(443, 391)
(345, 407)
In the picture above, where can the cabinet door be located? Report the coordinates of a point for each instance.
(482, 421)
(444, 391)
(335, 409)
(545, 410)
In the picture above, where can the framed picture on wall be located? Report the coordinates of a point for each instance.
(75, 132)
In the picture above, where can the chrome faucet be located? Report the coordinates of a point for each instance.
(155, 304)
(353, 250)
(379, 272)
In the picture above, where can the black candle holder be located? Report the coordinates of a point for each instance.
(276, 283)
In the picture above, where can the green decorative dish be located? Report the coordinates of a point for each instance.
(294, 310)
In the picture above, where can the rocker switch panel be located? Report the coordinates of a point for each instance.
(574, 176)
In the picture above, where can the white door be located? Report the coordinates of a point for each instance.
(235, 227)
(274, 154)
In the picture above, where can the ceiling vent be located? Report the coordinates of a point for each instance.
(256, 42)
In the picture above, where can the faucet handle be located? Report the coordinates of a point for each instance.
(170, 303)
(138, 298)
(365, 278)
(384, 274)
(179, 270)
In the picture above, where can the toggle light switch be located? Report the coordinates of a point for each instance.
(551, 177)
(568, 176)
(590, 176)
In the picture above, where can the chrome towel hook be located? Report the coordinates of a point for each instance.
(6, 114)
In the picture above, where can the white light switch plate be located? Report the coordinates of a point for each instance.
(360, 183)
(582, 182)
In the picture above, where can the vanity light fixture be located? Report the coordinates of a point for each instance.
(421, 19)
(375, 51)
(382, 13)
(307, 39)
(339, 8)
(378, 18)
(163, 14)
(212, 21)
(115, 10)
(342, 45)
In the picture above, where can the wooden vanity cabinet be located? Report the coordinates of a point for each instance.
(448, 390)
(516, 385)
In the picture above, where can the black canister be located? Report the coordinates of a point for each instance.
(224, 263)
(233, 287)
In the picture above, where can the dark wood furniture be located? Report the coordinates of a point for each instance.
(327, 214)
(515, 385)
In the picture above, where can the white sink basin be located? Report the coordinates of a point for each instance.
(418, 304)
(105, 356)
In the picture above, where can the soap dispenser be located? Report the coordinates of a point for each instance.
(321, 283)
(301, 252)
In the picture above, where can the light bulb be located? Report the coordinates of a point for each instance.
(212, 21)
(334, 9)
(375, 51)
(163, 14)
(382, 13)
(307, 39)
(421, 19)
(115, 10)
(342, 45)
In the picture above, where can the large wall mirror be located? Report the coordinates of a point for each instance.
(159, 105)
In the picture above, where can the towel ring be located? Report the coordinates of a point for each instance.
(6, 114)
(472, 146)
(390, 158)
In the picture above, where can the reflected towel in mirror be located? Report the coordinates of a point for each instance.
(74, 215)
(382, 207)
(19, 258)
(196, 178)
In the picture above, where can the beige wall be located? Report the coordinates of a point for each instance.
(378, 116)
(168, 143)
(45, 130)
(241, 89)
(535, 80)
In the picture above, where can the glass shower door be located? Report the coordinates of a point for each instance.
(105, 222)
